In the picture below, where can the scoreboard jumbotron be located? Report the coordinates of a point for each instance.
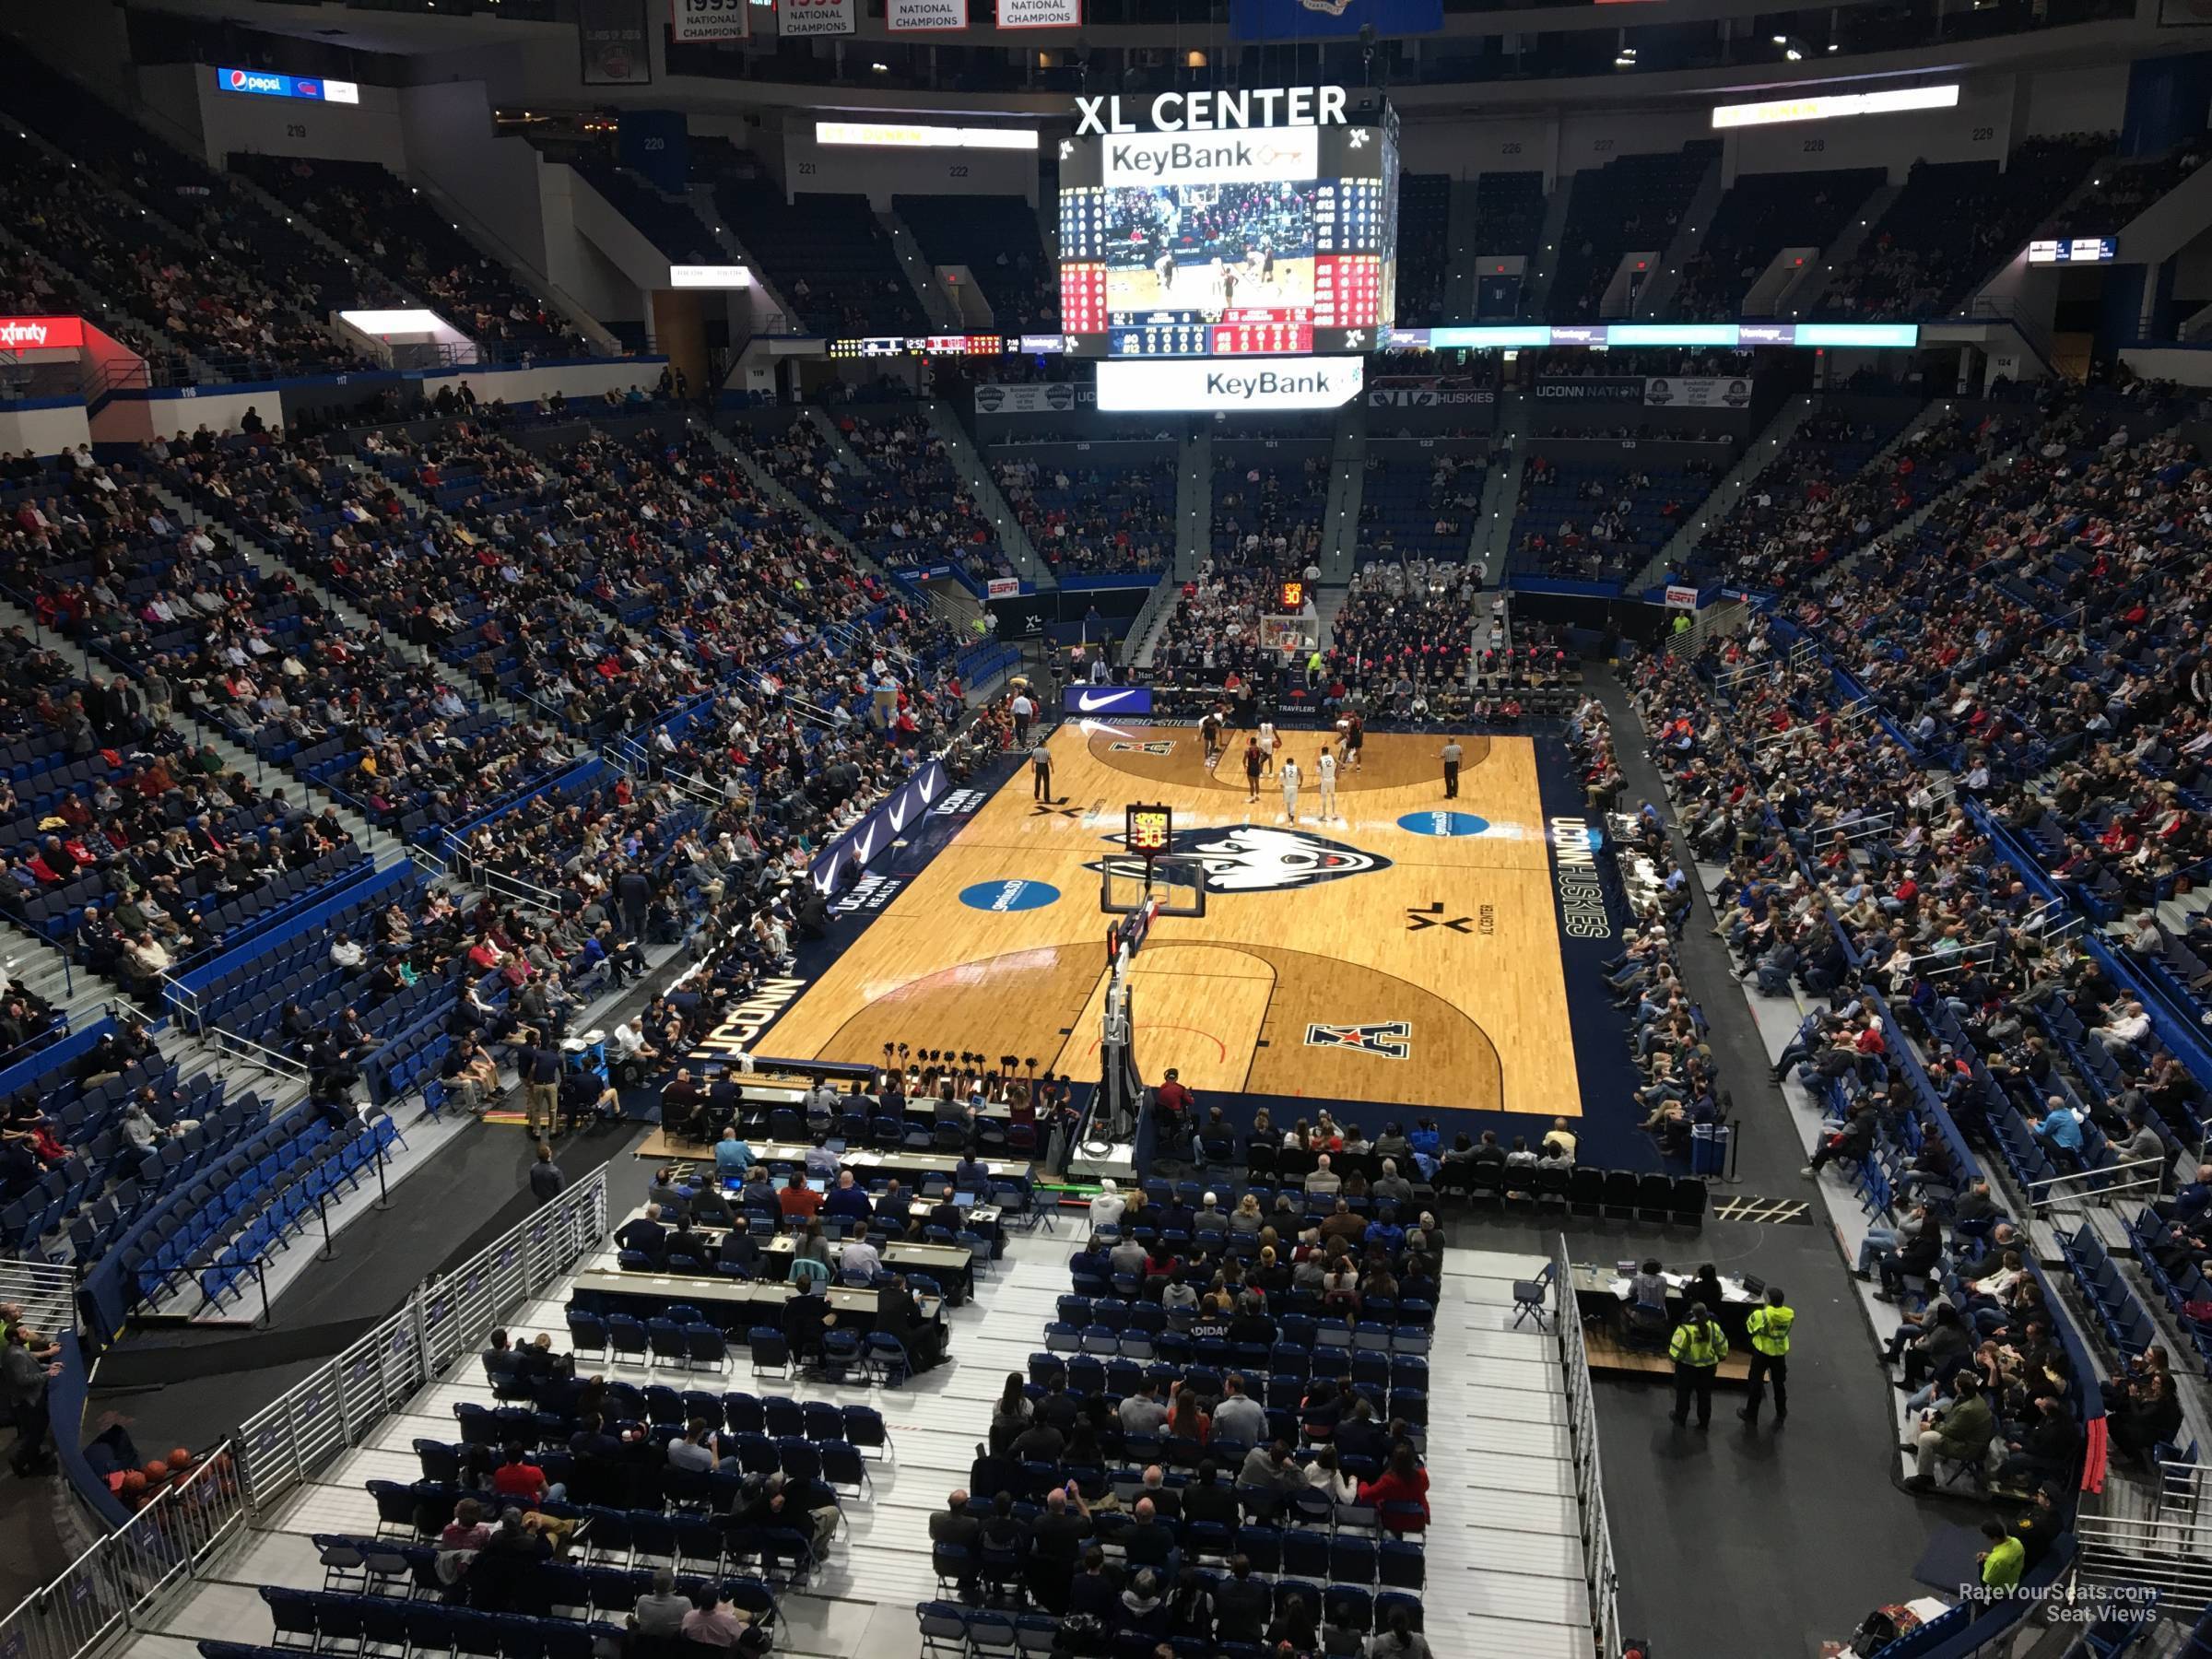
(1236, 224)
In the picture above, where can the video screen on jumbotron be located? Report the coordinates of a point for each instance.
(1246, 243)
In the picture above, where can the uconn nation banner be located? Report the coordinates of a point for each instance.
(904, 806)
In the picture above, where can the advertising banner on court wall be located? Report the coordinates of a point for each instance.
(1118, 701)
(904, 806)
(1697, 391)
(801, 19)
(905, 17)
(1057, 398)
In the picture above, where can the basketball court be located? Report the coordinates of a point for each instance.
(1203, 288)
(1406, 952)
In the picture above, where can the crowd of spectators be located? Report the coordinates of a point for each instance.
(2122, 190)
(1095, 520)
(907, 506)
(1613, 516)
(1761, 215)
(1412, 621)
(1952, 226)
(387, 223)
(1832, 489)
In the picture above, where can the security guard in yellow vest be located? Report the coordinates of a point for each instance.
(1696, 1348)
(1769, 1331)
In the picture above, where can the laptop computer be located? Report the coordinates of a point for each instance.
(965, 1200)
(817, 1183)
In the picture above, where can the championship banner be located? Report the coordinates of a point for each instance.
(800, 19)
(610, 43)
(905, 805)
(912, 17)
(1041, 13)
(1697, 391)
(1057, 398)
(704, 22)
(1591, 388)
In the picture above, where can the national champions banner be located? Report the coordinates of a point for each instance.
(911, 16)
(801, 19)
(904, 806)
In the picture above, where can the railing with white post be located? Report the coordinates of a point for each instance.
(111, 1587)
(1601, 1573)
(339, 1405)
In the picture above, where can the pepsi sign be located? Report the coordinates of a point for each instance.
(264, 83)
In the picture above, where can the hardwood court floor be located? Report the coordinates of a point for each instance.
(1370, 958)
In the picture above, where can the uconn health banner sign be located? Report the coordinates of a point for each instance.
(904, 806)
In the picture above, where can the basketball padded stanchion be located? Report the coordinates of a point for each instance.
(1176, 884)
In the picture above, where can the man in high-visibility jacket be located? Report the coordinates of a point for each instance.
(1696, 1347)
(1769, 1331)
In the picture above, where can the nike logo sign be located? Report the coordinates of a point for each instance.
(1088, 700)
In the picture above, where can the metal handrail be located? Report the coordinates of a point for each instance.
(342, 1403)
(2155, 1168)
(244, 1048)
(115, 1585)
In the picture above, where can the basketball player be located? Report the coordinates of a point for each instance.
(1289, 780)
(1210, 729)
(1229, 286)
(1354, 737)
(1268, 742)
(1251, 771)
(1324, 768)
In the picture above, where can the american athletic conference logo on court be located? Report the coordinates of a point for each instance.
(1259, 858)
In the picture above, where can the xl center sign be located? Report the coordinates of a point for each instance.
(1212, 112)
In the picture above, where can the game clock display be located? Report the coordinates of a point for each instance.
(1282, 244)
(1150, 831)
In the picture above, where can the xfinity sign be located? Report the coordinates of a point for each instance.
(1212, 112)
(1280, 156)
(1197, 386)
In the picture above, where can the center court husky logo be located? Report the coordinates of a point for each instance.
(1256, 858)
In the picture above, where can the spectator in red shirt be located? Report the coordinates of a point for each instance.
(1174, 1103)
(797, 1198)
(517, 1476)
(1404, 1481)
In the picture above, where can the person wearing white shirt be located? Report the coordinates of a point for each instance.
(1289, 777)
(1324, 768)
(2127, 1029)
(1107, 1207)
(859, 1259)
(345, 953)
